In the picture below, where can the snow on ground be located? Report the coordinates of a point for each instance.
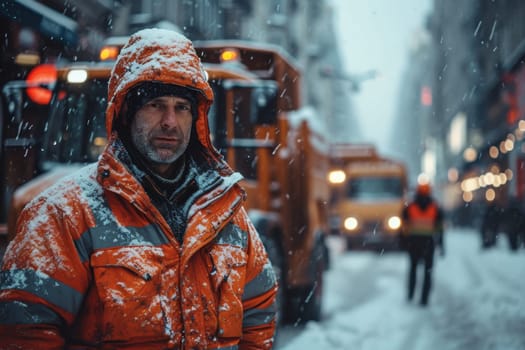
(477, 302)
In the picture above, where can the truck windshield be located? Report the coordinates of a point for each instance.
(242, 134)
(76, 129)
(375, 188)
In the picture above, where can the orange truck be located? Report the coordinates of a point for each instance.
(24, 111)
(63, 131)
(367, 197)
(256, 122)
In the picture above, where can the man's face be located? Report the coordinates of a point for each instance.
(161, 130)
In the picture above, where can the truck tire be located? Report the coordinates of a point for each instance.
(313, 300)
(304, 304)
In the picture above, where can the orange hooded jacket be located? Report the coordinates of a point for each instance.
(95, 265)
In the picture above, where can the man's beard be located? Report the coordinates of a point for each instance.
(152, 153)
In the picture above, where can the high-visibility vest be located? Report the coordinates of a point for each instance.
(422, 221)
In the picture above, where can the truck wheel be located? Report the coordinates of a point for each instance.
(313, 299)
(304, 304)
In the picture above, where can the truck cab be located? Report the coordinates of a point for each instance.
(70, 133)
(367, 199)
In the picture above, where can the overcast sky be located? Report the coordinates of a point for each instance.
(376, 35)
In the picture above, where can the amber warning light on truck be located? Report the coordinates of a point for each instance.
(230, 55)
(109, 53)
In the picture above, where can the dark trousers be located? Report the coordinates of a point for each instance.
(420, 249)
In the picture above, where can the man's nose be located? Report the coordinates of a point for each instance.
(170, 119)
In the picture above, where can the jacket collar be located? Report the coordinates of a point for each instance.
(216, 201)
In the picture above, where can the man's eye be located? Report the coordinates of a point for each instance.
(153, 104)
(184, 107)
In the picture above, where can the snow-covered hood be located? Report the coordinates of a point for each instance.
(162, 56)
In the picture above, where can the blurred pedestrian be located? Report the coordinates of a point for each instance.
(422, 223)
(150, 247)
(490, 225)
(514, 222)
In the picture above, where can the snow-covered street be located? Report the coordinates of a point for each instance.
(477, 301)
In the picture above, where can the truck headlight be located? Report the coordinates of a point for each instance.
(394, 222)
(336, 177)
(351, 223)
(77, 76)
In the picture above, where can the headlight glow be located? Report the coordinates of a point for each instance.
(350, 223)
(77, 76)
(336, 177)
(394, 222)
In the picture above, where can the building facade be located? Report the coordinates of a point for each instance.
(477, 115)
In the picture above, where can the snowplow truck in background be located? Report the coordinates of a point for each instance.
(368, 193)
(62, 132)
(256, 122)
(28, 139)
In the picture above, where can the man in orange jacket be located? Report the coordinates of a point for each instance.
(150, 247)
(423, 224)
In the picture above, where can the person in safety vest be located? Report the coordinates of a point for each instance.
(423, 222)
(150, 247)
